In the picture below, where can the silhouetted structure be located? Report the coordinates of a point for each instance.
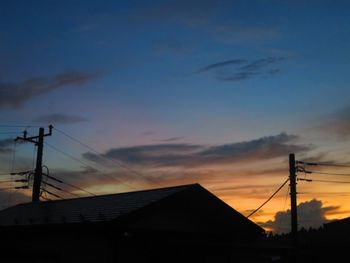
(330, 243)
(177, 224)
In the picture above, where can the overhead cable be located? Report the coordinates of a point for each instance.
(279, 188)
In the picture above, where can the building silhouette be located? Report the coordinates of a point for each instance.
(184, 223)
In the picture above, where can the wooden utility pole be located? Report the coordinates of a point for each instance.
(39, 142)
(293, 199)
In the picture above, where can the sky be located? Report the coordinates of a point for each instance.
(147, 94)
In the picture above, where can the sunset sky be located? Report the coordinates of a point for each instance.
(146, 94)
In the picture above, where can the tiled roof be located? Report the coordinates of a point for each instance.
(92, 209)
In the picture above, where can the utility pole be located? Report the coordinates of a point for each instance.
(39, 142)
(293, 200)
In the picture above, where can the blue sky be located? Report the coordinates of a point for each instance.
(224, 74)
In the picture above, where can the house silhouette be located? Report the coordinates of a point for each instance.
(181, 223)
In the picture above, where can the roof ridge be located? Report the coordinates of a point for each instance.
(106, 195)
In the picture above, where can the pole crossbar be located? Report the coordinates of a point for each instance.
(39, 142)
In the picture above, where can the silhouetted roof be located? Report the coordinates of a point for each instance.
(91, 209)
(185, 208)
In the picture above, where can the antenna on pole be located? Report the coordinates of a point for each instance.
(39, 142)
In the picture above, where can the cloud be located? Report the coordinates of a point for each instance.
(180, 163)
(259, 149)
(320, 157)
(172, 139)
(168, 155)
(229, 33)
(337, 123)
(157, 154)
(310, 214)
(222, 64)
(58, 118)
(77, 177)
(14, 95)
(237, 76)
(261, 63)
(233, 70)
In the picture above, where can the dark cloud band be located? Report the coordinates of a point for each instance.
(242, 69)
(168, 155)
(14, 95)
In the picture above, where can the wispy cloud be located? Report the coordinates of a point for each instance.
(83, 177)
(14, 95)
(241, 69)
(171, 139)
(261, 63)
(181, 163)
(223, 64)
(200, 155)
(337, 123)
(58, 118)
(310, 214)
(157, 154)
(229, 33)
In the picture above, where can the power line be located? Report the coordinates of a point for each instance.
(119, 163)
(62, 182)
(279, 223)
(67, 154)
(53, 186)
(68, 192)
(16, 187)
(51, 127)
(87, 165)
(326, 173)
(324, 181)
(60, 189)
(71, 185)
(16, 173)
(279, 188)
(16, 181)
(7, 181)
(324, 164)
(53, 194)
(325, 194)
(79, 188)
